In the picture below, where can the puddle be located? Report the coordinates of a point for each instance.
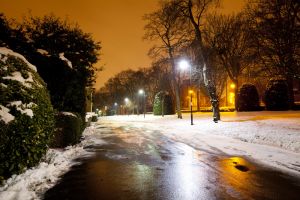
(242, 168)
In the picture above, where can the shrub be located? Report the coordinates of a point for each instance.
(26, 114)
(67, 130)
(248, 98)
(168, 108)
(94, 118)
(276, 95)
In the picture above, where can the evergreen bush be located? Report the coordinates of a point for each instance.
(168, 108)
(248, 98)
(26, 114)
(94, 118)
(276, 95)
(68, 129)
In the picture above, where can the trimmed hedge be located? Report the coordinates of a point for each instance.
(26, 115)
(276, 95)
(168, 104)
(94, 118)
(68, 129)
(248, 98)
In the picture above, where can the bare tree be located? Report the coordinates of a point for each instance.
(229, 37)
(194, 12)
(164, 25)
(276, 26)
(158, 79)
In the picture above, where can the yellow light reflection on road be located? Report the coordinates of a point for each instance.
(237, 176)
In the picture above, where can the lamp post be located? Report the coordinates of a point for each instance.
(142, 92)
(183, 64)
(116, 108)
(126, 104)
(191, 104)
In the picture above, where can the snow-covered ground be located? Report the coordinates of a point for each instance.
(35, 181)
(272, 138)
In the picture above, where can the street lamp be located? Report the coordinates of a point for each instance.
(90, 90)
(184, 64)
(142, 92)
(126, 104)
(191, 105)
(116, 108)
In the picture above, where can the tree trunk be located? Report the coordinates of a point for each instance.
(177, 96)
(212, 93)
(202, 61)
(236, 94)
(291, 99)
(175, 85)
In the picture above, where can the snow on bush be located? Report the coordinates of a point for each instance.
(26, 114)
(68, 129)
(35, 181)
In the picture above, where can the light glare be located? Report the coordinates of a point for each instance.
(183, 64)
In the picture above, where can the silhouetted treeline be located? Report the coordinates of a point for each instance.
(63, 54)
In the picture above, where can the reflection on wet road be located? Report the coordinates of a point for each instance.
(140, 164)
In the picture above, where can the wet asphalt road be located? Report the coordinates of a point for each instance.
(140, 164)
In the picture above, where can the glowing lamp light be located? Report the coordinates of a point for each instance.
(126, 100)
(116, 104)
(183, 64)
(191, 91)
(232, 85)
(141, 91)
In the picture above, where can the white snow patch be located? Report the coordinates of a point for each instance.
(6, 51)
(17, 76)
(5, 67)
(3, 85)
(35, 181)
(62, 57)
(5, 115)
(23, 108)
(43, 52)
(89, 116)
(68, 114)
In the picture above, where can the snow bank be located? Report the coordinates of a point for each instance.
(6, 51)
(35, 181)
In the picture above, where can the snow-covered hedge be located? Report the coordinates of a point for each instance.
(68, 129)
(26, 114)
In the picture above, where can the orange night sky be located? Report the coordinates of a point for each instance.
(117, 24)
